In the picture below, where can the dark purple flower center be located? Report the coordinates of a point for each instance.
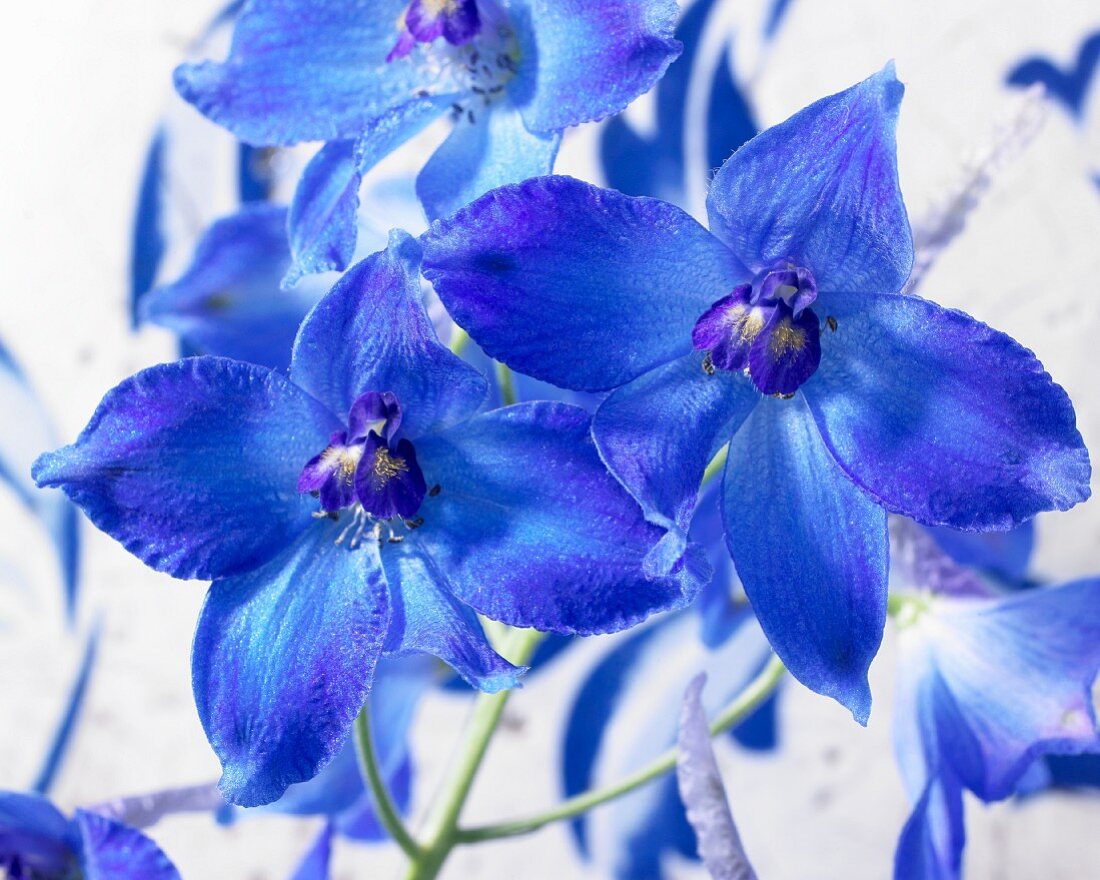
(765, 329)
(368, 472)
(425, 21)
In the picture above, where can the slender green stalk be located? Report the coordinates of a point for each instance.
(715, 466)
(386, 810)
(506, 385)
(442, 833)
(743, 704)
(459, 340)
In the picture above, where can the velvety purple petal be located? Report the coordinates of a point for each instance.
(283, 660)
(112, 851)
(658, 433)
(580, 286)
(821, 189)
(33, 829)
(303, 70)
(942, 418)
(193, 466)
(426, 617)
(389, 483)
(371, 333)
(811, 550)
(583, 61)
(532, 530)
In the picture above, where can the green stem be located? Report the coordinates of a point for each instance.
(442, 833)
(749, 699)
(715, 466)
(459, 340)
(506, 385)
(387, 811)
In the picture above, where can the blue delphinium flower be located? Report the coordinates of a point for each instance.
(38, 843)
(367, 76)
(987, 683)
(228, 301)
(782, 332)
(351, 510)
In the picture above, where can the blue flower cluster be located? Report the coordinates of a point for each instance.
(720, 416)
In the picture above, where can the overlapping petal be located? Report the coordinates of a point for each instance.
(533, 531)
(581, 61)
(942, 418)
(112, 851)
(811, 550)
(371, 333)
(193, 466)
(821, 189)
(283, 660)
(583, 287)
(303, 70)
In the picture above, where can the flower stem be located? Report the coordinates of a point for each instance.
(715, 466)
(506, 384)
(442, 833)
(387, 812)
(459, 340)
(742, 705)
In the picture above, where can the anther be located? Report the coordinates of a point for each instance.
(830, 322)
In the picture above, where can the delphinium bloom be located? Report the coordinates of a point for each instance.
(354, 509)
(781, 332)
(38, 843)
(988, 682)
(367, 76)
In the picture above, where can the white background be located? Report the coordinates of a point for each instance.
(82, 84)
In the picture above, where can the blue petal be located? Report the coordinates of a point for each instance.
(789, 508)
(932, 841)
(427, 618)
(580, 286)
(32, 828)
(639, 166)
(147, 244)
(942, 418)
(283, 660)
(821, 189)
(228, 302)
(303, 70)
(582, 61)
(532, 530)
(1070, 87)
(657, 434)
(361, 822)
(112, 851)
(62, 738)
(193, 466)
(1012, 680)
(371, 333)
(489, 150)
(1005, 555)
(323, 223)
(256, 180)
(315, 864)
(27, 433)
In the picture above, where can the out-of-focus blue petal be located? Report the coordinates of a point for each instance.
(625, 714)
(32, 828)
(640, 166)
(371, 333)
(283, 660)
(657, 434)
(361, 821)
(427, 618)
(704, 795)
(789, 508)
(524, 387)
(228, 302)
(193, 466)
(303, 70)
(28, 432)
(942, 418)
(112, 851)
(315, 864)
(581, 61)
(1003, 554)
(721, 603)
(147, 242)
(1073, 771)
(255, 176)
(1070, 87)
(489, 150)
(821, 189)
(1011, 680)
(532, 530)
(323, 224)
(580, 286)
(932, 841)
(62, 737)
(918, 563)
